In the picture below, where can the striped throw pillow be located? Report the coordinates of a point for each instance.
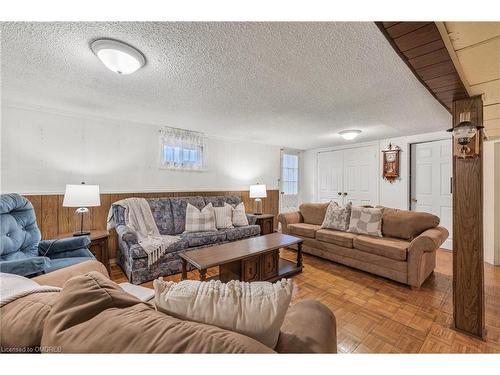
(200, 220)
(223, 216)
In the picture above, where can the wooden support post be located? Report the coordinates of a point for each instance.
(468, 266)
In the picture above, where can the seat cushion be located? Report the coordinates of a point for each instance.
(56, 264)
(195, 239)
(303, 229)
(313, 213)
(388, 247)
(335, 236)
(239, 233)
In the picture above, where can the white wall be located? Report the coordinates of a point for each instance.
(394, 194)
(491, 198)
(42, 150)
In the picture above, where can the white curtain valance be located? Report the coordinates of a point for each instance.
(182, 149)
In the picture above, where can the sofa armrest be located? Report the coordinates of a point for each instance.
(309, 327)
(25, 267)
(429, 240)
(76, 253)
(62, 245)
(422, 255)
(127, 235)
(289, 218)
(60, 276)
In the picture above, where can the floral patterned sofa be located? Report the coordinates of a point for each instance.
(170, 217)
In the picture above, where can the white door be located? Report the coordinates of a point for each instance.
(289, 186)
(431, 172)
(349, 175)
(361, 176)
(330, 176)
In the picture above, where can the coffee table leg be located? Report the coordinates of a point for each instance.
(299, 254)
(184, 269)
(203, 275)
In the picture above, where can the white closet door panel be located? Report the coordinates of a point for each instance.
(330, 176)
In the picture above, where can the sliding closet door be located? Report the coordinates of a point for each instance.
(360, 176)
(330, 176)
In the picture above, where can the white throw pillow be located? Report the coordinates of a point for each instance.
(223, 216)
(366, 221)
(239, 216)
(253, 309)
(200, 220)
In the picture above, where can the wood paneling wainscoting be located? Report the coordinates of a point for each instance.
(54, 219)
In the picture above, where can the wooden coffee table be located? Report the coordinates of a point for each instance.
(252, 259)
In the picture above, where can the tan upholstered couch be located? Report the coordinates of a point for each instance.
(92, 314)
(406, 253)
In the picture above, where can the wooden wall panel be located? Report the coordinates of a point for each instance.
(53, 219)
(421, 47)
(468, 266)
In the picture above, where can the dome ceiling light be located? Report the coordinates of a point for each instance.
(118, 56)
(349, 134)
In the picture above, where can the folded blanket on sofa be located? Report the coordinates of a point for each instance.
(139, 218)
(13, 287)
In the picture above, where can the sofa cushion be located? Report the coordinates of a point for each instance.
(313, 213)
(366, 221)
(219, 201)
(162, 213)
(179, 210)
(335, 236)
(388, 247)
(406, 224)
(94, 315)
(200, 220)
(303, 229)
(203, 238)
(337, 217)
(235, 305)
(239, 233)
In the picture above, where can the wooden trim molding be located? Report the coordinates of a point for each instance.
(53, 219)
(421, 47)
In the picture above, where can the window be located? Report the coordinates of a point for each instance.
(182, 149)
(290, 174)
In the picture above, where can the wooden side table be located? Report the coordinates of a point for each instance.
(266, 223)
(98, 245)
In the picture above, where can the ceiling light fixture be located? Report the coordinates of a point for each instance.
(118, 56)
(349, 134)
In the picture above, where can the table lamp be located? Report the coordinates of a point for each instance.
(81, 196)
(257, 192)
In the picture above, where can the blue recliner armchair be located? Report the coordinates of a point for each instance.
(21, 250)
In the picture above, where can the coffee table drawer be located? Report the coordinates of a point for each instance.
(251, 269)
(269, 264)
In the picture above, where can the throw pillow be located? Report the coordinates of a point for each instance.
(200, 220)
(239, 216)
(337, 217)
(366, 221)
(253, 309)
(223, 216)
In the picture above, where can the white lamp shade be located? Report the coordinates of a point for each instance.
(82, 196)
(258, 191)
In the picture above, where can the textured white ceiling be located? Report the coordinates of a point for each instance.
(288, 84)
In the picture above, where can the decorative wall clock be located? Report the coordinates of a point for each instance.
(391, 162)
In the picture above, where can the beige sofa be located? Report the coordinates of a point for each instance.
(406, 253)
(92, 314)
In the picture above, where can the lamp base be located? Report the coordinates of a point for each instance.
(76, 234)
(257, 206)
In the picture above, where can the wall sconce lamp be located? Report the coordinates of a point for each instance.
(464, 133)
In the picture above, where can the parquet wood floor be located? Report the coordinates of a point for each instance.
(376, 315)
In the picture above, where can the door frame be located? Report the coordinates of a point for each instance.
(411, 177)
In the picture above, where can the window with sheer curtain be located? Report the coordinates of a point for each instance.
(182, 149)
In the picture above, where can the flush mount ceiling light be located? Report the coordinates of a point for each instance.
(118, 56)
(349, 134)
